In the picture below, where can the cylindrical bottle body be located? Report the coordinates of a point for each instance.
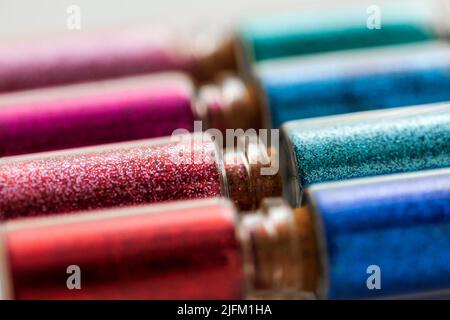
(384, 236)
(146, 171)
(364, 144)
(333, 28)
(94, 56)
(182, 250)
(353, 81)
(95, 113)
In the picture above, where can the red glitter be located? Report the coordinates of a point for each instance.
(187, 250)
(108, 176)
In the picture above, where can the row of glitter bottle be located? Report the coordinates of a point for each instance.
(421, 143)
(193, 166)
(156, 105)
(103, 55)
(201, 249)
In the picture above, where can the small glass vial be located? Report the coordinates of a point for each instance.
(383, 237)
(344, 82)
(146, 171)
(115, 110)
(342, 26)
(363, 144)
(89, 56)
(198, 249)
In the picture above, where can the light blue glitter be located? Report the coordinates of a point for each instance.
(370, 143)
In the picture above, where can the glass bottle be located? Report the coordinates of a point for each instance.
(344, 26)
(363, 144)
(345, 82)
(189, 166)
(116, 110)
(102, 54)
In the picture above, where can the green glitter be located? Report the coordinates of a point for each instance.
(370, 143)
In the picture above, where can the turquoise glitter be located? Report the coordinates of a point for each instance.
(368, 144)
(314, 31)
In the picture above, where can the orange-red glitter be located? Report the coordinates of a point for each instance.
(185, 251)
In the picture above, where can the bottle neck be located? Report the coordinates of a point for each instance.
(214, 51)
(280, 251)
(229, 104)
(440, 11)
(309, 250)
(247, 181)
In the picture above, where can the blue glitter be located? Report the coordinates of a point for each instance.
(354, 81)
(400, 223)
(367, 144)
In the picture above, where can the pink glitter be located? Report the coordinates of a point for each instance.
(67, 59)
(95, 113)
(108, 176)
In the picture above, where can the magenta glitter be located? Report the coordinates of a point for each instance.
(95, 113)
(108, 176)
(69, 58)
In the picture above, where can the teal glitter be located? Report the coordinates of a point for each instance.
(369, 143)
(314, 31)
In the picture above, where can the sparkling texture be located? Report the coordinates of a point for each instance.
(96, 113)
(188, 250)
(370, 143)
(343, 28)
(400, 224)
(108, 176)
(355, 81)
